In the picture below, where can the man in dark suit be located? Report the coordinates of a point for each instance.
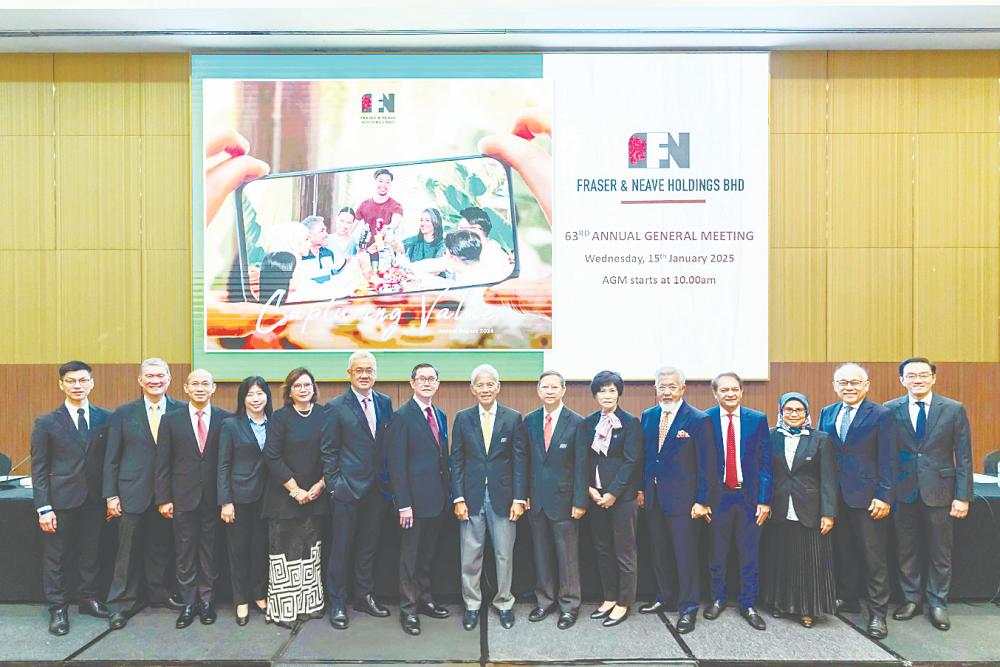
(67, 453)
(187, 470)
(679, 477)
(489, 471)
(935, 485)
(863, 432)
(743, 503)
(417, 442)
(557, 494)
(145, 542)
(353, 466)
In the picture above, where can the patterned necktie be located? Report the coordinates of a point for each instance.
(154, 421)
(369, 414)
(487, 430)
(731, 479)
(433, 423)
(665, 418)
(845, 423)
(202, 431)
(547, 431)
(921, 428)
(81, 424)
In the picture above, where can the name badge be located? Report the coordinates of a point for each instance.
(563, 445)
(503, 439)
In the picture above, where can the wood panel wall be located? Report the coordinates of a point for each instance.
(885, 206)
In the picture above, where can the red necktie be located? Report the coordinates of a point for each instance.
(202, 431)
(433, 423)
(547, 431)
(731, 480)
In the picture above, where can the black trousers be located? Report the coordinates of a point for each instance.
(735, 522)
(77, 537)
(416, 553)
(195, 534)
(920, 527)
(353, 541)
(676, 567)
(145, 552)
(860, 546)
(246, 541)
(556, 546)
(613, 531)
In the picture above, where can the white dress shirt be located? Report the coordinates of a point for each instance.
(85, 404)
(724, 429)
(915, 409)
(206, 417)
(791, 445)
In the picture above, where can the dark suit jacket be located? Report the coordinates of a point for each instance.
(242, 473)
(867, 462)
(811, 482)
(755, 453)
(130, 461)
(621, 469)
(558, 477)
(684, 469)
(65, 467)
(505, 468)
(418, 467)
(352, 457)
(292, 451)
(939, 469)
(183, 474)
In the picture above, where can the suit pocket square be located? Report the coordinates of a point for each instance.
(682, 434)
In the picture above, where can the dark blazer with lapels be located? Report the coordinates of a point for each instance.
(242, 472)
(755, 453)
(504, 469)
(557, 479)
(683, 471)
(811, 482)
(621, 469)
(130, 461)
(352, 457)
(185, 475)
(867, 462)
(938, 468)
(65, 467)
(418, 465)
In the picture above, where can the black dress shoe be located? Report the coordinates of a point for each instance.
(610, 622)
(338, 617)
(242, 620)
(59, 621)
(939, 618)
(175, 602)
(410, 623)
(598, 615)
(206, 614)
(776, 613)
(877, 628)
(654, 607)
(755, 620)
(186, 617)
(117, 620)
(432, 610)
(848, 607)
(94, 608)
(713, 610)
(470, 619)
(686, 621)
(369, 605)
(907, 611)
(506, 618)
(567, 620)
(540, 613)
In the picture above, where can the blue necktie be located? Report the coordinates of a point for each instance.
(845, 422)
(921, 421)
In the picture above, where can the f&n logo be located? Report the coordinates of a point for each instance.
(655, 150)
(386, 102)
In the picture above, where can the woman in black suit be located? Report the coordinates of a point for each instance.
(798, 556)
(295, 503)
(242, 477)
(613, 440)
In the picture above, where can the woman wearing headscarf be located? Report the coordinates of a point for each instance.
(613, 440)
(798, 555)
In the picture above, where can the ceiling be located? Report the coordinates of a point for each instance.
(515, 25)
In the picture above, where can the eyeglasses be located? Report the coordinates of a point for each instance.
(425, 380)
(72, 382)
(361, 372)
(793, 411)
(918, 376)
(667, 387)
(850, 383)
(299, 386)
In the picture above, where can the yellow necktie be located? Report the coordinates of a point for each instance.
(487, 430)
(154, 420)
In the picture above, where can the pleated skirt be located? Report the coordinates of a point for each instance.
(797, 577)
(295, 583)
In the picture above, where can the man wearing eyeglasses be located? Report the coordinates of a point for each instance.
(864, 434)
(935, 485)
(417, 441)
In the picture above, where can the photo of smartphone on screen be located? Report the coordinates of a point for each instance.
(376, 230)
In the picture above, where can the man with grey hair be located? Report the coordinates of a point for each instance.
(864, 435)
(145, 539)
(353, 467)
(489, 473)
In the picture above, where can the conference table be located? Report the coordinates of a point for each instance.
(976, 567)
